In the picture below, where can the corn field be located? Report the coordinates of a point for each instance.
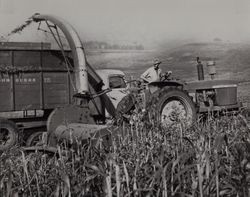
(211, 158)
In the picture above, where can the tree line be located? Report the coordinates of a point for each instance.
(105, 45)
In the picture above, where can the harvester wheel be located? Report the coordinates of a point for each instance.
(171, 105)
(35, 139)
(8, 134)
(125, 106)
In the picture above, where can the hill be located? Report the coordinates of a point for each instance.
(232, 59)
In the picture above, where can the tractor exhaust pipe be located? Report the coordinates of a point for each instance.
(200, 70)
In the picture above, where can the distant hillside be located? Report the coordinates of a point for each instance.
(232, 60)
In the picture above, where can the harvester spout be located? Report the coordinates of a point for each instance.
(77, 49)
(75, 121)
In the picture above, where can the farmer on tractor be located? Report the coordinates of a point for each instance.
(154, 73)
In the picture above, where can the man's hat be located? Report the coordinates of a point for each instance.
(157, 62)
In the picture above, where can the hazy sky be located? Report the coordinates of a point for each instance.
(143, 21)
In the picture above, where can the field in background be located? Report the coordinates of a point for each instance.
(232, 62)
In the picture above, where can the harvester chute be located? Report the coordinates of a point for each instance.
(88, 83)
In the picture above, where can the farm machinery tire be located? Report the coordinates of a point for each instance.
(35, 139)
(8, 134)
(125, 107)
(170, 105)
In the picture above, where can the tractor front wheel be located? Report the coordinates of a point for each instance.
(171, 105)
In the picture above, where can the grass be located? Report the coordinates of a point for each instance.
(145, 159)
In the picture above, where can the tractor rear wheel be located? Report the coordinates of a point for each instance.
(8, 134)
(171, 105)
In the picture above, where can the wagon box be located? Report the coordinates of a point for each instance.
(35, 81)
(32, 80)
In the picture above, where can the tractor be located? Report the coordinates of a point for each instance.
(169, 100)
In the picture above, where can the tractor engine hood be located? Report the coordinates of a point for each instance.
(209, 84)
(224, 92)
